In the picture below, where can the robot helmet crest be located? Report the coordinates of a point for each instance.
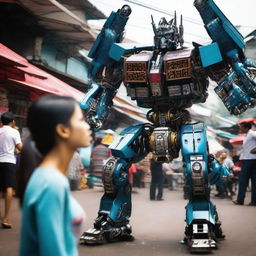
(167, 35)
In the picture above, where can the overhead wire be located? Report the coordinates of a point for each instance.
(151, 7)
(160, 11)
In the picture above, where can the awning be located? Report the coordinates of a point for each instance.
(17, 70)
(238, 140)
(225, 135)
(64, 19)
(247, 120)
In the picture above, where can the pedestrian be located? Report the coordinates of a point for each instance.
(30, 158)
(248, 169)
(99, 156)
(221, 188)
(10, 142)
(138, 178)
(173, 172)
(131, 171)
(236, 169)
(157, 181)
(142, 169)
(228, 184)
(51, 217)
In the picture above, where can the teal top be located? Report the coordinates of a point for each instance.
(51, 217)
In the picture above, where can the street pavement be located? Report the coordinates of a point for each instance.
(158, 226)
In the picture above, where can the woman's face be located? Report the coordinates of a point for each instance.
(80, 131)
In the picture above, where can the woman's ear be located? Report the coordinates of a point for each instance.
(63, 131)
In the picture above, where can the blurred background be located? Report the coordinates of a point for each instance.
(44, 47)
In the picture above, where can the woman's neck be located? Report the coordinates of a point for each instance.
(58, 158)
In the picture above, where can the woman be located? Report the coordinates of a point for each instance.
(50, 215)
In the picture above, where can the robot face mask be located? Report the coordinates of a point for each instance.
(167, 35)
(125, 11)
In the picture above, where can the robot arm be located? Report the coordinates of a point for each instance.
(217, 172)
(97, 103)
(236, 86)
(105, 72)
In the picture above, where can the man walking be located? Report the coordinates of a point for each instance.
(9, 142)
(157, 181)
(248, 170)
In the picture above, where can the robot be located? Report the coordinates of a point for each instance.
(166, 78)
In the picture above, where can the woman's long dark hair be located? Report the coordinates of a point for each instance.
(43, 117)
(30, 158)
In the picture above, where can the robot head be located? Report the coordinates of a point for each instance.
(167, 35)
(125, 11)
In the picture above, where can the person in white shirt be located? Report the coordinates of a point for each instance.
(248, 170)
(227, 161)
(9, 142)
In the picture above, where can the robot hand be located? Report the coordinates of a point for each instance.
(94, 122)
(96, 104)
(245, 75)
(218, 173)
(238, 89)
(250, 64)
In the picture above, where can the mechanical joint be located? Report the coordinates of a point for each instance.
(164, 144)
(108, 176)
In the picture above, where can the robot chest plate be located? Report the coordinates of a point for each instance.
(163, 76)
(176, 66)
(136, 67)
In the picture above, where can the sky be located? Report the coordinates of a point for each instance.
(139, 27)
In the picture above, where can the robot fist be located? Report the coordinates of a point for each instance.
(94, 122)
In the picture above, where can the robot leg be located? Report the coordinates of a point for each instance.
(112, 223)
(203, 228)
(203, 225)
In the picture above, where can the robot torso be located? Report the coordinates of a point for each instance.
(164, 81)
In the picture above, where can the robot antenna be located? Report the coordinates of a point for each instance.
(153, 24)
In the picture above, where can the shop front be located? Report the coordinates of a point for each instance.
(21, 83)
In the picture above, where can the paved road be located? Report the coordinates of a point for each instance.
(157, 225)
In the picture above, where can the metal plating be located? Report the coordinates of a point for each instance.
(166, 78)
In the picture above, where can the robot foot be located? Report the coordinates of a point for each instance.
(106, 233)
(92, 236)
(202, 245)
(199, 238)
(199, 245)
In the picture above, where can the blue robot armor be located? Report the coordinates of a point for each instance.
(167, 79)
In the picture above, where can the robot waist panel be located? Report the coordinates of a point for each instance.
(193, 140)
(197, 166)
(171, 94)
(195, 154)
(164, 144)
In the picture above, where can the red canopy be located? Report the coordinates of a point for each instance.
(20, 73)
(17, 70)
(238, 140)
(247, 120)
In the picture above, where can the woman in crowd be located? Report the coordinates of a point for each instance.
(51, 217)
